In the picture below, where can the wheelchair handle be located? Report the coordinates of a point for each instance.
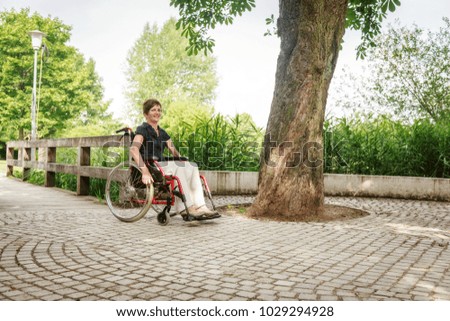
(127, 130)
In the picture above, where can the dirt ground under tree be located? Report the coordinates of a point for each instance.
(330, 213)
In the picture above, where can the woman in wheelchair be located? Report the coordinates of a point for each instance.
(149, 144)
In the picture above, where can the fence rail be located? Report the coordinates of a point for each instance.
(220, 182)
(45, 159)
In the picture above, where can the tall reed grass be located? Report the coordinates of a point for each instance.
(222, 143)
(382, 146)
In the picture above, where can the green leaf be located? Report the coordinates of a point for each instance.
(391, 6)
(205, 14)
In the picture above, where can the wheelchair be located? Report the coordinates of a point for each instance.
(130, 200)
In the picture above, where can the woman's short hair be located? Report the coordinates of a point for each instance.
(149, 104)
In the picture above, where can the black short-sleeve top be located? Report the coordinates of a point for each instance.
(153, 145)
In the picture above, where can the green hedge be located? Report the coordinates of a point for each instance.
(382, 146)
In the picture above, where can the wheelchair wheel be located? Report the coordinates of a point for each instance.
(163, 218)
(127, 198)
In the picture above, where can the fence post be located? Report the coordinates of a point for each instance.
(84, 159)
(50, 176)
(26, 157)
(9, 156)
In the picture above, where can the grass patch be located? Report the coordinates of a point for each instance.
(3, 167)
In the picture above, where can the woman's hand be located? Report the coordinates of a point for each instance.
(147, 179)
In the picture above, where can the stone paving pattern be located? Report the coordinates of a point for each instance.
(56, 246)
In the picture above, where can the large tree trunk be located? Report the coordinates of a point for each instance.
(291, 175)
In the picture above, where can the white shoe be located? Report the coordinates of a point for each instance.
(204, 210)
(199, 211)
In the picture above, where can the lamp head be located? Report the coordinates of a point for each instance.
(36, 39)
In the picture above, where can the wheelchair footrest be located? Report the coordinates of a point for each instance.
(202, 217)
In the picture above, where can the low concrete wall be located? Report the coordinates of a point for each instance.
(388, 186)
(226, 183)
(342, 185)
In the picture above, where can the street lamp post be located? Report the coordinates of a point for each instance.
(36, 42)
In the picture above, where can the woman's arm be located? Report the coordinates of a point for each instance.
(172, 149)
(136, 155)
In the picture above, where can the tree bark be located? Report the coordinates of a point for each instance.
(291, 175)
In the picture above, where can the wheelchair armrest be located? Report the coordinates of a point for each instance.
(152, 160)
(181, 158)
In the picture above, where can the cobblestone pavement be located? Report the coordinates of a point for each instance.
(55, 246)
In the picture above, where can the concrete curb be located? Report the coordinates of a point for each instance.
(419, 188)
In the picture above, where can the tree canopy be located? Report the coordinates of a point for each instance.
(70, 89)
(197, 17)
(158, 66)
(407, 75)
(411, 72)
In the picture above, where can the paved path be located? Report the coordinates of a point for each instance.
(55, 246)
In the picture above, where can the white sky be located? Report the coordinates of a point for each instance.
(246, 60)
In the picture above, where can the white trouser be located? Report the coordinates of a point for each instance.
(189, 176)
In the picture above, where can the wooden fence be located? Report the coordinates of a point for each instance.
(23, 154)
(20, 154)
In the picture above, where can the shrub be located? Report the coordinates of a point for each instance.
(382, 146)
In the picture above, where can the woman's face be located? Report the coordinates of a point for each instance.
(154, 114)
